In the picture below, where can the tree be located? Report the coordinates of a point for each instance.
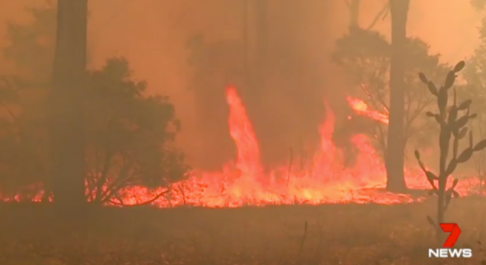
(479, 157)
(475, 87)
(123, 126)
(261, 38)
(31, 50)
(354, 16)
(474, 74)
(215, 64)
(245, 34)
(365, 56)
(65, 101)
(353, 6)
(394, 160)
(19, 165)
(129, 137)
(478, 4)
(31, 45)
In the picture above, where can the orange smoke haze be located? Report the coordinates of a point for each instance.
(153, 35)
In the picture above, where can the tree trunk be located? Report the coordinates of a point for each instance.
(395, 145)
(354, 13)
(245, 36)
(261, 44)
(66, 110)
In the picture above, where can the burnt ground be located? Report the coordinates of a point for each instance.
(308, 235)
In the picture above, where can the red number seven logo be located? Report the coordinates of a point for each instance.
(454, 231)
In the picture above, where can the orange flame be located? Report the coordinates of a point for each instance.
(323, 179)
(360, 107)
(242, 133)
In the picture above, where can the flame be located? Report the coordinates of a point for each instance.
(321, 178)
(360, 107)
(242, 133)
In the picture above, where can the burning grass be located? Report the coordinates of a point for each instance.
(297, 229)
(326, 234)
(320, 178)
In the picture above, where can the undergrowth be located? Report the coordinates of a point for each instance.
(328, 234)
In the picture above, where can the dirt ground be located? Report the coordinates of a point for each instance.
(348, 234)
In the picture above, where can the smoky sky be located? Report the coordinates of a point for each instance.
(152, 35)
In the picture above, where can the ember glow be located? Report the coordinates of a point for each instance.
(360, 107)
(322, 178)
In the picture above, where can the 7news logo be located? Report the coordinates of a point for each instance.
(448, 250)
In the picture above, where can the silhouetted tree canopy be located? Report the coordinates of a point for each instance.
(31, 46)
(130, 134)
(474, 75)
(365, 57)
(478, 4)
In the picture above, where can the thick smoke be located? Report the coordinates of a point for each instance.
(301, 34)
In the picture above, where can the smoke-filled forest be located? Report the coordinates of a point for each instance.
(242, 132)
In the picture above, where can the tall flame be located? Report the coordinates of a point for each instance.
(242, 133)
(321, 179)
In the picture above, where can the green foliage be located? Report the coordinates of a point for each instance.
(452, 127)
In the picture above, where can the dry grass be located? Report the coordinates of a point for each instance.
(336, 234)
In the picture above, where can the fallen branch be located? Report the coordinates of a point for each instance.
(121, 203)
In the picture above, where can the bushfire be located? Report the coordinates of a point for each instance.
(360, 107)
(320, 179)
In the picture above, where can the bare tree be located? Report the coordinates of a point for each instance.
(366, 57)
(416, 101)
